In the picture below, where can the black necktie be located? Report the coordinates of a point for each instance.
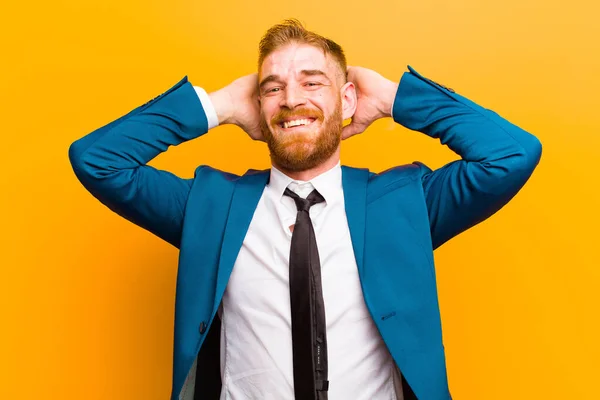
(309, 339)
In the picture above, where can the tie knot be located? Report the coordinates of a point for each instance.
(305, 204)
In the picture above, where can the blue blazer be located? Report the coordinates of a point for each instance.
(396, 217)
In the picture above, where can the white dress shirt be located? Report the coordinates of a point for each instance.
(256, 338)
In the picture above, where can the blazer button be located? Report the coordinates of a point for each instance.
(202, 328)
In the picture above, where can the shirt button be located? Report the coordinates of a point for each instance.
(202, 327)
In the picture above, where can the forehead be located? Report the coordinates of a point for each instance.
(293, 58)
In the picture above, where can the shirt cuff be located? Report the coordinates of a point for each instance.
(207, 105)
(393, 101)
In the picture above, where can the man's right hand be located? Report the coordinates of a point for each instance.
(237, 103)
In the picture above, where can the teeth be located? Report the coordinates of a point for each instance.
(296, 122)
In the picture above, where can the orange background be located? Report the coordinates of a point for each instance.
(87, 298)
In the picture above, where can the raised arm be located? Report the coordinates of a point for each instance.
(111, 162)
(497, 157)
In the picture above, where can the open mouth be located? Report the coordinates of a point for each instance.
(296, 123)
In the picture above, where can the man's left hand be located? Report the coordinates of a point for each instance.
(375, 96)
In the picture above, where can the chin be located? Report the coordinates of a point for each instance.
(299, 157)
(281, 134)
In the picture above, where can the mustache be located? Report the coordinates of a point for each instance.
(304, 112)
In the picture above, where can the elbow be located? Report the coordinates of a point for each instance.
(514, 167)
(519, 167)
(76, 152)
(532, 153)
(84, 170)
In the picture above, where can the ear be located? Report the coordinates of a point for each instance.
(349, 100)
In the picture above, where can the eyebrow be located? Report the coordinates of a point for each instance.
(305, 72)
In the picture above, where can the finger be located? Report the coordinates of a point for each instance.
(351, 130)
(257, 135)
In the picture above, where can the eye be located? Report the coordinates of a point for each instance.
(272, 90)
(312, 84)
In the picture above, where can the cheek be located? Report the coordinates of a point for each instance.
(267, 111)
(324, 102)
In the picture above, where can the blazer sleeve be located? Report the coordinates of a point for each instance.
(111, 161)
(497, 157)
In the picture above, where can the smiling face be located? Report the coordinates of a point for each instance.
(303, 101)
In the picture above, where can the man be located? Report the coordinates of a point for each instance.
(308, 280)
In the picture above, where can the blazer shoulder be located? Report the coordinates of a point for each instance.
(205, 174)
(400, 173)
(393, 178)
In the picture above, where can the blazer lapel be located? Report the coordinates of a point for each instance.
(246, 195)
(354, 182)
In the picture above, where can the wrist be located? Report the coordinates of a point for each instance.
(221, 100)
(387, 97)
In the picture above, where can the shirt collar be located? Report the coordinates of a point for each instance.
(328, 184)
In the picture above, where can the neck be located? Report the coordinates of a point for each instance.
(309, 174)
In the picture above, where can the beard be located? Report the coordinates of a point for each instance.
(302, 151)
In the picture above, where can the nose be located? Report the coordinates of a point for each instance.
(293, 97)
